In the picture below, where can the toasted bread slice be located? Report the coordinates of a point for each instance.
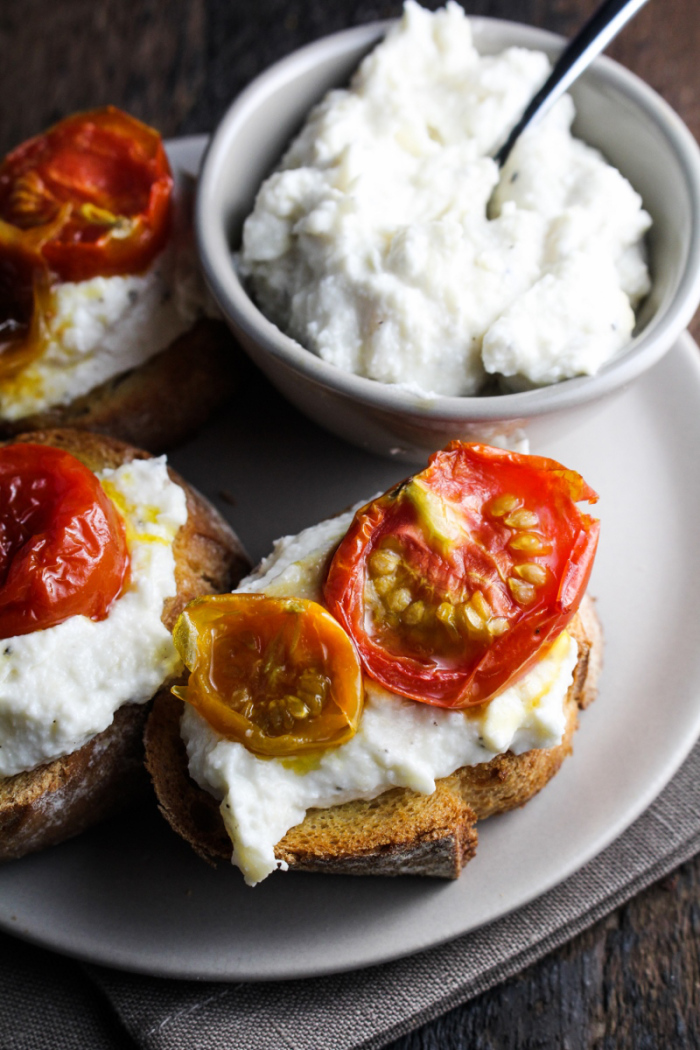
(161, 403)
(397, 833)
(63, 797)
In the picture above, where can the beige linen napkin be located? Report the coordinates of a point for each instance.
(371, 1007)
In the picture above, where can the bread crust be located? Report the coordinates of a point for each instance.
(62, 798)
(162, 402)
(399, 832)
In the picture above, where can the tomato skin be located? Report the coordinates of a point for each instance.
(467, 479)
(106, 175)
(62, 542)
(254, 660)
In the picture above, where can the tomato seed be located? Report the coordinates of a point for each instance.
(400, 600)
(504, 504)
(522, 519)
(531, 572)
(498, 626)
(529, 542)
(471, 619)
(296, 707)
(446, 614)
(522, 592)
(480, 605)
(384, 585)
(414, 614)
(384, 562)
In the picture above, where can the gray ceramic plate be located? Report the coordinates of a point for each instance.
(131, 895)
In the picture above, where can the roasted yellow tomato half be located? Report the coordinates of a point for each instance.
(278, 675)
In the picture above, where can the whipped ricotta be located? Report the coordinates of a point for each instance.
(59, 687)
(99, 328)
(399, 743)
(371, 244)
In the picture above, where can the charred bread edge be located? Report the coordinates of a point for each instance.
(399, 832)
(162, 402)
(62, 798)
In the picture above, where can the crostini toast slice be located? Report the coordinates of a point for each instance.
(398, 833)
(60, 799)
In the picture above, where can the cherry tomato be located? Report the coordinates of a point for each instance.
(103, 179)
(276, 674)
(452, 583)
(62, 543)
(25, 304)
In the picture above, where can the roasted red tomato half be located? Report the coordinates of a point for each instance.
(278, 675)
(62, 544)
(25, 302)
(452, 583)
(102, 178)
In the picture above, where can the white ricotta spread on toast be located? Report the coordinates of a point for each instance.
(60, 686)
(399, 743)
(105, 326)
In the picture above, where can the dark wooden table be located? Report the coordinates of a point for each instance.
(633, 980)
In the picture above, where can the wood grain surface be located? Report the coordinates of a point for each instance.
(633, 980)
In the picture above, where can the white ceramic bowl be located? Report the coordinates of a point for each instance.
(616, 112)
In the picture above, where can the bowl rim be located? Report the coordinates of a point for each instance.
(251, 324)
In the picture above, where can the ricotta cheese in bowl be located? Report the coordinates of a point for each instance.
(373, 244)
(399, 743)
(61, 686)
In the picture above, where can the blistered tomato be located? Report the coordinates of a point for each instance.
(101, 183)
(279, 675)
(90, 197)
(453, 582)
(62, 544)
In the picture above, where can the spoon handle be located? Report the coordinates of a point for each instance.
(603, 25)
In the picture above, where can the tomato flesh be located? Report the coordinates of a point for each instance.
(278, 675)
(25, 304)
(62, 543)
(103, 179)
(452, 583)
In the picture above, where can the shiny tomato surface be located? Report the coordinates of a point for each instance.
(62, 545)
(100, 183)
(452, 583)
(278, 675)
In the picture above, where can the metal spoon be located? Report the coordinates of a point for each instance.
(594, 37)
